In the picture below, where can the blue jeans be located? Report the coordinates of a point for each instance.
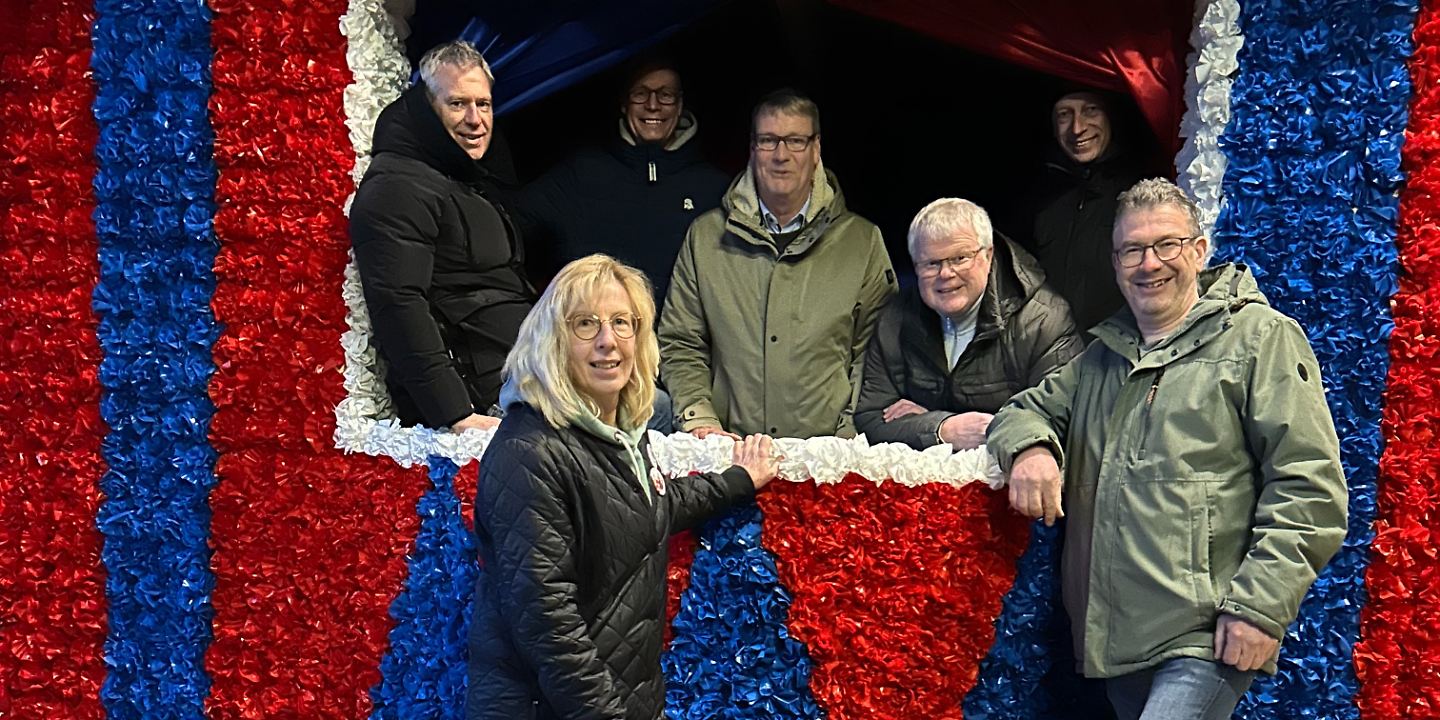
(1180, 689)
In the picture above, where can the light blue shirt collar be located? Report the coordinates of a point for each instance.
(959, 333)
(772, 223)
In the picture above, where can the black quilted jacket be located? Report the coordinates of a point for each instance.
(1023, 332)
(571, 594)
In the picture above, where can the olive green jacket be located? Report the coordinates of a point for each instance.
(755, 340)
(1202, 476)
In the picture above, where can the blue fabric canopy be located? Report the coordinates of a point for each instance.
(537, 49)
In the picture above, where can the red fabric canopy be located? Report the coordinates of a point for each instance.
(1131, 46)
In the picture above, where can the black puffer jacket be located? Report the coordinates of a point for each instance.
(631, 200)
(571, 593)
(1073, 235)
(1022, 333)
(441, 266)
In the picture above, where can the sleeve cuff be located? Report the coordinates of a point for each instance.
(1254, 617)
(738, 483)
(933, 438)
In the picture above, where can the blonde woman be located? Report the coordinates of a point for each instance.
(571, 520)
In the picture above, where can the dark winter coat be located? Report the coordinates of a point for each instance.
(629, 200)
(1023, 332)
(1072, 238)
(570, 600)
(441, 266)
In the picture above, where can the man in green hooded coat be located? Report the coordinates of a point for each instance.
(775, 293)
(1201, 472)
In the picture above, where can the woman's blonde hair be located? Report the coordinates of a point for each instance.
(538, 367)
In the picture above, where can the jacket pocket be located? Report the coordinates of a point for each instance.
(985, 396)
(1202, 548)
(1147, 412)
(1153, 562)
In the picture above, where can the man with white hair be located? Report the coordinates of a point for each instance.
(980, 326)
(1201, 474)
(441, 263)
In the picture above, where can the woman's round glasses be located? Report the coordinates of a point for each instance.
(586, 327)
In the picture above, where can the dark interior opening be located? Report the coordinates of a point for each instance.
(906, 118)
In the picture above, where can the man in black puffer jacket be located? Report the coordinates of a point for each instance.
(441, 265)
(981, 326)
(634, 198)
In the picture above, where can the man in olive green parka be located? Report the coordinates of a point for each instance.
(1201, 472)
(775, 294)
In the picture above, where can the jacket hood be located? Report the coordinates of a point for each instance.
(1015, 277)
(1224, 290)
(409, 127)
(742, 208)
(685, 129)
(1231, 285)
(672, 158)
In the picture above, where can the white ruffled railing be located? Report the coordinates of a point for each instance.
(364, 420)
(828, 460)
(1211, 67)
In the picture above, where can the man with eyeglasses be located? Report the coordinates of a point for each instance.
(775, 294)
(1201, 472)
(633, 197)
(980, 326)
(440, 261)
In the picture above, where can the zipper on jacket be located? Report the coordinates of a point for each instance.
(1149, 403)
(651, 168)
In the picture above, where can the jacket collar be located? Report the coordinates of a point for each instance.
(653, 160)
(1224, 290)
(742, 211)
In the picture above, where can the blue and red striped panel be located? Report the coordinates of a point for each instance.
(190, 187)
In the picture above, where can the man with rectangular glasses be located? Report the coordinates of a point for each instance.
(1191, 451)
(775, 293)
(980, 326)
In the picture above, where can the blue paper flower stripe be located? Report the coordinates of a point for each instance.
(1009, 685)
(154, 188)
(1314, 166)
(423, 675)
(732, 655)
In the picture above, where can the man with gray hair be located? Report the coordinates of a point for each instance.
(1201, 472)
(980, 326)
(440, 261)
(775, 293)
